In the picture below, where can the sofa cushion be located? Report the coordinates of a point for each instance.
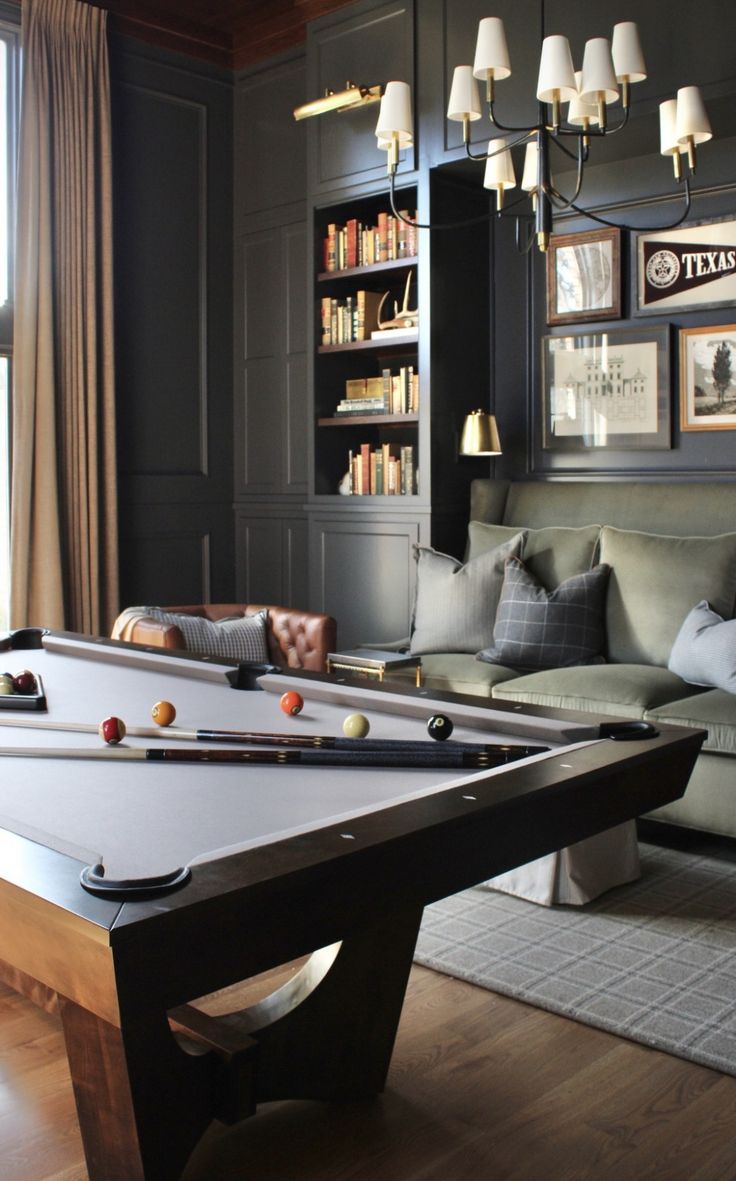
(552, 554)
(455, 604)
(704, 652)
(456, 672)
(536, 628)
(654, 582)
(714, 711)
(627, 690)
(244, 638)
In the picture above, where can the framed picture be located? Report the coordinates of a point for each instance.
(584, 277)
(685, 269)
(607, 389)
(708, 378)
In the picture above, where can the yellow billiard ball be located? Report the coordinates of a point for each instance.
(356, 726)
(163, 713)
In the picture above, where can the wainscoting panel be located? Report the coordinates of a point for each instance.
(363, 573)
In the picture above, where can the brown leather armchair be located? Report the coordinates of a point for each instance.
(296, 639)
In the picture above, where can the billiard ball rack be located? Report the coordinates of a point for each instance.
(36, 700)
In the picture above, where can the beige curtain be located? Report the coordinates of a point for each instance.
(64, 508)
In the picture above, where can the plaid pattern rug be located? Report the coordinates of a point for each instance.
(654, 961)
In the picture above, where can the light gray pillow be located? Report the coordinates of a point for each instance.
(552, 554)
(704, 652)
(536, 628)
(455, 604)
(244, 639)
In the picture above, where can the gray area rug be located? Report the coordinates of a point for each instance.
(654, 961)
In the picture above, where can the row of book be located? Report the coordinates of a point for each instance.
(391, 393)
(387, 470)
(349, 319)
(358, 245)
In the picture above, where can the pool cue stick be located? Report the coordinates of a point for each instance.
(257, 738)
(439, 757)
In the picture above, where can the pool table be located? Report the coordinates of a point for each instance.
(129, 888)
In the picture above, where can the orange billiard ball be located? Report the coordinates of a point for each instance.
(292, 702)
(111, 730)
(163, 713)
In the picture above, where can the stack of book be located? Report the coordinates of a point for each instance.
(387, 470)
(346, 320)
(358, 245)
(391, 393)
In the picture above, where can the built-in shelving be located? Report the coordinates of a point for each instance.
(390, 365)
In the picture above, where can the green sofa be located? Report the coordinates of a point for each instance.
(668, 546)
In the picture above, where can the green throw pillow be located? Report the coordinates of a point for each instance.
(654, 582)
(552, 554)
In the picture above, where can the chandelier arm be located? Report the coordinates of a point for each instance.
(502, 126)
(523, 248)
(561, 147)
(595, 132)
(620, 225)
(506, 147)
(558, 199)
(448, 225)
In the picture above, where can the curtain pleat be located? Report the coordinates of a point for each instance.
(64, 537)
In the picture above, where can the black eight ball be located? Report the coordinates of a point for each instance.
(440, 727)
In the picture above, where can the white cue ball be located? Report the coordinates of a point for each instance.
(355, 726)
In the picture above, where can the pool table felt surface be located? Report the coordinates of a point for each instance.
(147, 818)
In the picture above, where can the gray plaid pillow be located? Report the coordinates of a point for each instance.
(536, 628)
(244, 638)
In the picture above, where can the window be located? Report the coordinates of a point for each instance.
(9, 104)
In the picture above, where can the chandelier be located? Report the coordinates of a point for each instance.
(609, 69)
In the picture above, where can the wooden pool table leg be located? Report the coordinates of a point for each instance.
(337, 1042)
(326, 1034)
(142, 1103)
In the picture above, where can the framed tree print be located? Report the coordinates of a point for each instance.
(607, 389)
(708, 378)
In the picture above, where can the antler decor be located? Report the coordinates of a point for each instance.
(406, 318)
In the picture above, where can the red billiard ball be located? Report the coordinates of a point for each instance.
(111, 730)
(292, 703)
(24, 682)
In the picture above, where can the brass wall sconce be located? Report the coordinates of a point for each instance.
(480, 435)
(340, 100)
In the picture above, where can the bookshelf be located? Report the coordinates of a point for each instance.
(367, 401)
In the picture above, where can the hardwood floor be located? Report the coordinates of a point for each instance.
(481, 1088)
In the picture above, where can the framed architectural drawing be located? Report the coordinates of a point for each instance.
(584, 277)
(708, 378)
(607, 389)
(693, 266)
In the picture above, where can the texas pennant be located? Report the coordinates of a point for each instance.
(673, 267)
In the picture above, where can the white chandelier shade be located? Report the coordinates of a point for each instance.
(626, 51)
(491, 51)
(464, 102)
(556, 80)
(499, 173)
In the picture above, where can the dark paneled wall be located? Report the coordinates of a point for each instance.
(272, 424)
(203, 160)
(172, 138)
